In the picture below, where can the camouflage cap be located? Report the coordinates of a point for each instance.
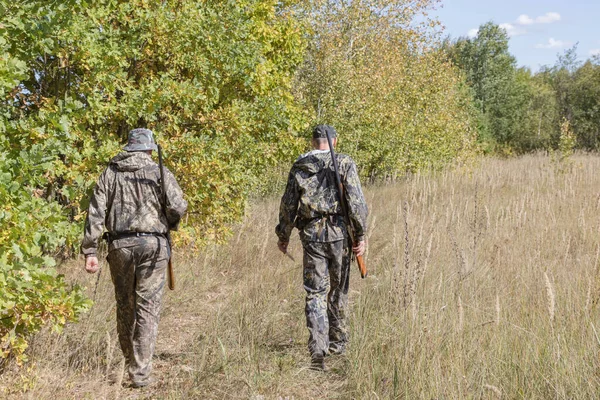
(319, 132)
(140, 139)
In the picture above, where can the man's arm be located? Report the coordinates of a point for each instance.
(288, 210)
(176, 205)
(94, 222)
(355, 199)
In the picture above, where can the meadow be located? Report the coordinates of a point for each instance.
(483, 284)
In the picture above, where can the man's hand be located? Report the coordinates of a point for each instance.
(282, 246)
(91, 264)
(359, 249)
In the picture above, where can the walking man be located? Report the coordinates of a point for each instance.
(127, 201)
(310, 203)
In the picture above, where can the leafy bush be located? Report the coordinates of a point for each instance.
(212, 79)
(561, 157)
(32, 294)
(374, 73)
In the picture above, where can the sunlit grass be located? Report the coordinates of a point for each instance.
(482, 284)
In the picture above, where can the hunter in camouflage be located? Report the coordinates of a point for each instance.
(127, 202)
(310, 203)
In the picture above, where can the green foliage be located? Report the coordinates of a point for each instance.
(373, 71)
(585, 103)
(576, 91)
(561, 158)
(500, 92)
(31, 293)
(521, 111)
(212, 79)
(540, 119)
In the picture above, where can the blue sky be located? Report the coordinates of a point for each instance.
(539, 30)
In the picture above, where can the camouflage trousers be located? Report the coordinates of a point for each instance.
(137, 267)
(326, 280)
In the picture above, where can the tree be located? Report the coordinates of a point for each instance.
(576, 88)
(212, 79)
(540, 125)
(375, 73)
(499, 92)
(585, 105)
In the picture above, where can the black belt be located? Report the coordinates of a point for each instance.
(331, 217)
(122, 235)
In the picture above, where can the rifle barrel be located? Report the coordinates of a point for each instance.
(338, 180)
(170, 273)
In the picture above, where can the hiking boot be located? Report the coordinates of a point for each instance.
(336, 351)
(141, 384)
(317, 362)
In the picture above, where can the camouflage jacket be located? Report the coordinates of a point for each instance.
(127, 198)
(310, 202)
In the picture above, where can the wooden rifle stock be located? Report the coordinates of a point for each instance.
(170, 273)
(362, 267)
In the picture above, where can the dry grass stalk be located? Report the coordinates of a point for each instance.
(497, 392)
(427, 257)
(476, 217)
(265, 244)
(258, 313)
(497, 320)
(461, 315)
(406, 256)
(119, 379)
(460, 256)
(550, 297)
(109, 353)
(588, 296)
(372, 226)
(567, 250)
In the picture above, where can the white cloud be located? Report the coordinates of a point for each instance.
(554, 44)
(512, 30)
(518, 27)
(525, 20)
(595, 52)
(547, 18)
(472, 33)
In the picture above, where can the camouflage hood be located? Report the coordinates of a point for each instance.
(313, 161)
(131, 161)
(129, 198)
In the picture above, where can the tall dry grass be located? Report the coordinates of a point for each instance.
(483, 284)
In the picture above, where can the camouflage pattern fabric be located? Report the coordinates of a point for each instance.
(310, 202)
(137, 267)
(140, 139)
(326, 280)
(127, 199)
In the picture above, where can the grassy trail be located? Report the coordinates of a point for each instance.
(482, 285)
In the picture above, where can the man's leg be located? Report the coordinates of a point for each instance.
(150, 283)
(316, 284)
(337, 305)
(122, 271)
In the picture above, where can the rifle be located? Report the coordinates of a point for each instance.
(170, 273)
(350, 228)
